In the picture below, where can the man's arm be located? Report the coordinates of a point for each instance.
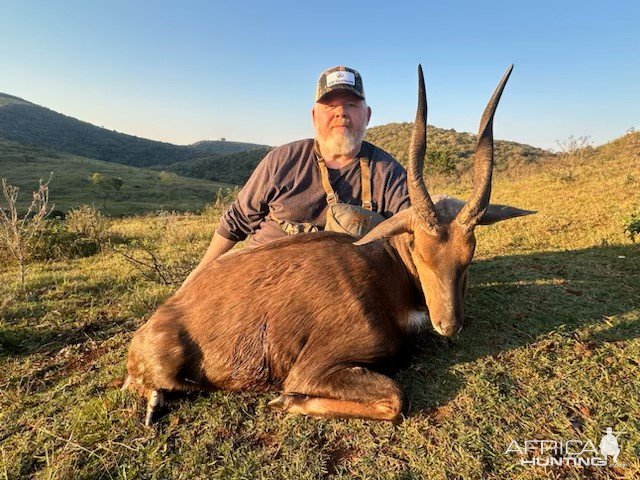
(218, 246)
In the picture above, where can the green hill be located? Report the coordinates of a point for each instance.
(142, 190)
(232, 168)
(223, 147)
(221, 160)
(24, 122)
(448, 151)
(450, 148)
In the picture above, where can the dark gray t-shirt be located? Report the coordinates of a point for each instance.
(287, 182)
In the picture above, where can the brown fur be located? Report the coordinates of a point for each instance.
(260, 320)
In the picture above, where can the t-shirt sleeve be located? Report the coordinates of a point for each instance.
(251, 207)
(390, 181)
(396, 196)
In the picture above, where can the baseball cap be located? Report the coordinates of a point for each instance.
(339, 78)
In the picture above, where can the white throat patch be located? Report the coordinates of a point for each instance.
(416, 319)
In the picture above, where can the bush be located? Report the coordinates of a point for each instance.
(224, 198)
(87, 222)
(18, 233)
(58, 242)
(441, 161)
(632, 227)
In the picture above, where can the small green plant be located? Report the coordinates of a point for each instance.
(166, 177)
(632, 226)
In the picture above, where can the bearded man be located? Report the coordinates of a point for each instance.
(295, 185)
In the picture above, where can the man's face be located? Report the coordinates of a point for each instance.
(340, 120)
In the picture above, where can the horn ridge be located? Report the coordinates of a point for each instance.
(420, 200)
(472, 212)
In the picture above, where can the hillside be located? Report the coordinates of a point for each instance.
(551, 351)
(448, 152)
(142, 190)
(221, 160)
(30, 124)
(231, 168)
(223, 147)
(450, 148)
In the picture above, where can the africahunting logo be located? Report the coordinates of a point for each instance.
(550, 453)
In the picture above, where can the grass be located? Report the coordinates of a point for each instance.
(552, 352)
(142, 190)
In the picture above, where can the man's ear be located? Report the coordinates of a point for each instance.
(368, 114)
(497, 213)
(313, 116)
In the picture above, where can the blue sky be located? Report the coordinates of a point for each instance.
(188, 71)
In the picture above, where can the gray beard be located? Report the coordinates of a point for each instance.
(347, 145)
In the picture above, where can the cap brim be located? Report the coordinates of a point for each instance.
(341, 87)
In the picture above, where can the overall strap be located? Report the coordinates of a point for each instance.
(332, 198)
(365, 180)
(365, 175)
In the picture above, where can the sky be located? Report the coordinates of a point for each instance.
(181, 72)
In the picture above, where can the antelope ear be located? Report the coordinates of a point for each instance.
(497, 213)
(401, 222)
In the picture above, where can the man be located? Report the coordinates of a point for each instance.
(290, 189)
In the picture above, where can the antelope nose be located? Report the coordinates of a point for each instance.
(449, 330)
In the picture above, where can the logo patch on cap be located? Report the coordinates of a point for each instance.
(341, 78)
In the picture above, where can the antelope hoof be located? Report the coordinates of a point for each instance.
(286, 401)
(126, 383)
(156, 400)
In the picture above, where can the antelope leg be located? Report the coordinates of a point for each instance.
(155, 400)
(349, 393)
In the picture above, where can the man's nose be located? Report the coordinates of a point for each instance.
(340, 111)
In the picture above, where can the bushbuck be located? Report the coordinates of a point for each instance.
(318, 316)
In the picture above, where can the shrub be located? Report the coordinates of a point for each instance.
(87, 222)
(224, 198)
(632, 226)
(58, 242)
(144, 256)
(441, 160)
(20, 234)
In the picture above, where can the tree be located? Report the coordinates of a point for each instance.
(441, 160)
(106, 184)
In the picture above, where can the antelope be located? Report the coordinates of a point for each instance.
(318, 316)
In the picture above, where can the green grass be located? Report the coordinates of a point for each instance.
(142, 191)
(552, 352)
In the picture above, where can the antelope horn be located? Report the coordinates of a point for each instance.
(472, 212)
(420, 199)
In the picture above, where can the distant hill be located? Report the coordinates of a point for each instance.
(457, 146)
(627, 146)
(448, 152)
(24, 122)
(223, 147)
(221, 160)
(232, 168)
(142, 190)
